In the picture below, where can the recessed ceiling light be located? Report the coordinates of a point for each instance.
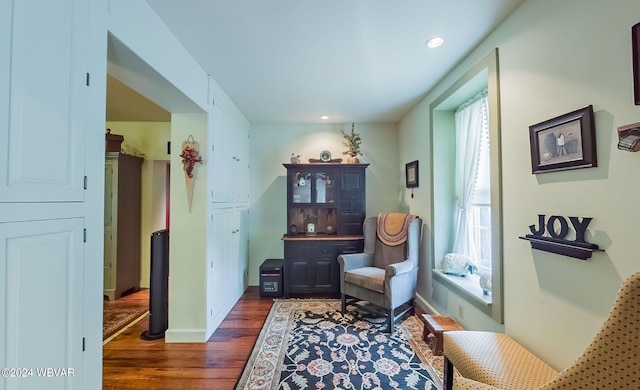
(434, 42)
(324, 117)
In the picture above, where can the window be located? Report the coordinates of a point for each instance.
(482, 237)
(473, 181)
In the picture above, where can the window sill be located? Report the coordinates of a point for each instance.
(468, 287)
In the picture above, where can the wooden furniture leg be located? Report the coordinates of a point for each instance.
(436, 325)
(448, 374)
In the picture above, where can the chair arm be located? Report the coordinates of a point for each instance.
(398, 268)
(355, 260)
(462, 383)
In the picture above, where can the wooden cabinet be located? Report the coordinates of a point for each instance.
(122, 224)
(325, 212)
(351, 200)
(311, 264)
(325, 199)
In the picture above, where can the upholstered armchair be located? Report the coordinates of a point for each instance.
(386, 273)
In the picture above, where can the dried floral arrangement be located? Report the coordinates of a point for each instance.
(190, 158)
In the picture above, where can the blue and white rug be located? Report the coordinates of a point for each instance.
(309, 344)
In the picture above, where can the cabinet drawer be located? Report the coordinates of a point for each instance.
(351, 229)
(350, 205)
(351, 195)
(352, 217)
(304, 250)
(347, 247)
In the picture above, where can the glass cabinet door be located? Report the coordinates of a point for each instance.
(325, 186)
(301, 187)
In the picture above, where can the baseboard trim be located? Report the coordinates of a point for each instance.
(426, 305)
(185, 336)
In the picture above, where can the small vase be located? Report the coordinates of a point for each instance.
(353, 160)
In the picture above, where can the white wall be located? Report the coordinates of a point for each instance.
(272, 145)
(188, 250)
(148, 137)
(151, 61)
(554, 57)
(157, 47)
(151, 139)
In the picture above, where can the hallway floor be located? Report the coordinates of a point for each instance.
(132, 363)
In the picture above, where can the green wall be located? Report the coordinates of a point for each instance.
(554, 57)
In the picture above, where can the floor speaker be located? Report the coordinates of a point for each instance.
(158, 287)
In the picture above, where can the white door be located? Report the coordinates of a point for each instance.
(241, 163)
(44, 100)
(41, 306)
(220, 132)
(219, 256)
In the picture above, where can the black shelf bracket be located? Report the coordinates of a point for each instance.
(577, 250)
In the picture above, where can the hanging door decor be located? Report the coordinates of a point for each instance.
(190, 158)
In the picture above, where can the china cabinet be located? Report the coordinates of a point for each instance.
(325, 212)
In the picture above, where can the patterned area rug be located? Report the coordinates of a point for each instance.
(116, 318)
(309, 344)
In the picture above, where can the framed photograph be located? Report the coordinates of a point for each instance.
(635, 50)
(411, 174)
(564, 142)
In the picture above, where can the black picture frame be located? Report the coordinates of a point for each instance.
(564, 142)
(635, 50)
(411, 174)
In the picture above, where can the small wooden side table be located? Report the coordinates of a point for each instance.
(435, 325)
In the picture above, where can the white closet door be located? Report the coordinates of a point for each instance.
(43, 89)
(241, 163)
(222, 161)
(43, 122)
(219, 259)
(41, 304)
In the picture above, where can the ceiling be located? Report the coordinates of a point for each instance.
(353, 60)
(126, 105)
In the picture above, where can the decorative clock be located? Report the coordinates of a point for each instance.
(325, 156)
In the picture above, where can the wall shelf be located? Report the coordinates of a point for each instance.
(577, 250)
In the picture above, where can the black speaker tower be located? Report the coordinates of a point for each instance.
(158, 287)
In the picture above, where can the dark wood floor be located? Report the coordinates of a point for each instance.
(132, 363)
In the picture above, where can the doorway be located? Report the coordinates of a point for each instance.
(136, 201)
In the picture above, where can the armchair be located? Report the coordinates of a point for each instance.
(386, 273)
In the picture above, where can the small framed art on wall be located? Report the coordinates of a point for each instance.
(411, 174)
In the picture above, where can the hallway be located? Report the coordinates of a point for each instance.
(132, 363)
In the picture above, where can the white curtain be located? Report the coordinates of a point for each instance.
(470, 119)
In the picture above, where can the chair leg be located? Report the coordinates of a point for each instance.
(390, 321)
(412, 311)
(448, 374)
(344, 303)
